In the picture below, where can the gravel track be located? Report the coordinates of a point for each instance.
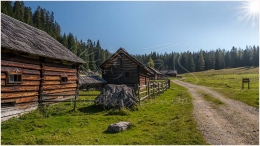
(233, 123)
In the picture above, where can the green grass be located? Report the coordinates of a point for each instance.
(229, 83)
(211, 99)
(167, 119)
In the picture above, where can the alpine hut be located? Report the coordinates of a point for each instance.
(33, 64)
(122, 68)
(156, 74)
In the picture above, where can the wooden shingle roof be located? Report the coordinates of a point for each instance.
(16, 35)
(121, 50)
(155, 70)
(91, 80)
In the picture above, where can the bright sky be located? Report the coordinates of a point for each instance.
(142, 27)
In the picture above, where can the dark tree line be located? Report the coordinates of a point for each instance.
(203, 60)
(91, 52)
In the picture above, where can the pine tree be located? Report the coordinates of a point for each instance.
(191, 65)
(219, 60)
(201, 61)
(37, 18)
(150, 63)
(18, 10)
(28, 15)
(7, 8)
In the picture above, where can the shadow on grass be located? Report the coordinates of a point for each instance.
(91, 109)
(109, 132)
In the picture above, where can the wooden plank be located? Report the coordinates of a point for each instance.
(57, 78)
(24, 71)
(3, 76)
(2, 82)
(51, 78)
(56, 82)
(143, 92)
(72, 93)
(46, 87)
(18, 94)
(26, 105)
(26, 99)
(58, 90)
(19, 88)
(144, 97)
(51, 73)
(31, 77)
(48, 68)
(51, 64)
(7, 57)
(20, 65)
(25, 83)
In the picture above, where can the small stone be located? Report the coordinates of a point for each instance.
(118, 127)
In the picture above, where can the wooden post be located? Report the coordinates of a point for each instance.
(77, 88)
(246, 80)
(169, 85)
(166, 86)
(148, 89)
(158, 88)
(138, 87)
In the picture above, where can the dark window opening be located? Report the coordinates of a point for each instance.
(14, 78)
(127, 74)
(64, 80)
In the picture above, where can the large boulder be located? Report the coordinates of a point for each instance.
(118, 127)
(116, 96)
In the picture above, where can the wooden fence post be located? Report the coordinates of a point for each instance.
(153, 90)
(148, 89)
(158, 88)
(138, 87)
(169, 84)
(166, 86)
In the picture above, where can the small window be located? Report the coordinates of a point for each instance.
(127, 74)
(14, 78)
(63, 80)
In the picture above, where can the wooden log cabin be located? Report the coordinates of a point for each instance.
(156, 74)
(32, 62)
(122, 68)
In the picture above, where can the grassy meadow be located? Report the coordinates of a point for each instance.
(166, 119)
(229, 83)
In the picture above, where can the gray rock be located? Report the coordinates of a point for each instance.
(118, 127)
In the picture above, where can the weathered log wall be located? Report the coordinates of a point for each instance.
(27, 90)
(51, 84)
(121, 70)
(39, 75)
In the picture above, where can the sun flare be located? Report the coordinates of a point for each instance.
(250, 10)
(253, 6)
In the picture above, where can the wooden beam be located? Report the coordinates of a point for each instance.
(58, 90)
(46, 87)
(19, 88)
(18, 94)
(31, 77)
(3, 76)
(20, 65)
(48, 68)
(24, 71)
(56, 82)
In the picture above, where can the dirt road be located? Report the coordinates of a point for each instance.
(233, 123)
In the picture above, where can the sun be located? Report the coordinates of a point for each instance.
(253, 6)
(250, 10)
